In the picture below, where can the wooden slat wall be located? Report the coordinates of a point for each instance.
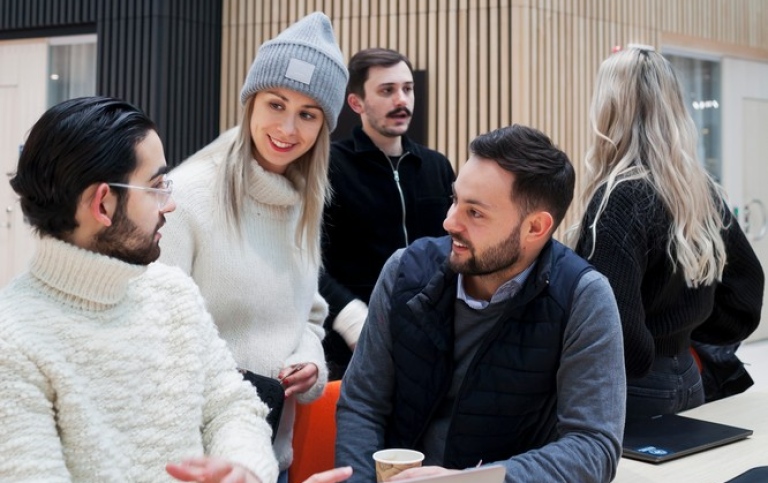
(491, 63)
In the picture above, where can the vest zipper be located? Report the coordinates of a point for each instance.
(484, 344)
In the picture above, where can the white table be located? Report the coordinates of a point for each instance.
(717, 465)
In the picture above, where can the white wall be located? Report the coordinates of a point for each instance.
(745, 152)
(741, 78)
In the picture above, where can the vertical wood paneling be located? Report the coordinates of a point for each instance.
(432, 74)
(482, 66)
(460, 94)
(439, 87)
(452, 74)
(491, 63)
(495, 81)
(506, 60)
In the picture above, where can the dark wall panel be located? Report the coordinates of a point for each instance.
(162, 55)
(39, 18)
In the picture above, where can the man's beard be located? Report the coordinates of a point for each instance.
(495, 259)
(125, 241)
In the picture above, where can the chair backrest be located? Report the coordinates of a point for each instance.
(314, 435)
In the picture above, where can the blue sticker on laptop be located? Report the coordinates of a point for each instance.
(653, 450)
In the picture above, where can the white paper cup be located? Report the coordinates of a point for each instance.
(390, 462)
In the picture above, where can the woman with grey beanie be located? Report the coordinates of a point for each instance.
(249, 207)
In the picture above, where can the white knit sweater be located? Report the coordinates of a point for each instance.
(108, 371)
(261, 291)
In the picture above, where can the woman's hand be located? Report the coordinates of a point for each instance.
(206, 469)
(298, 378)
(331, 476)
(422, 472)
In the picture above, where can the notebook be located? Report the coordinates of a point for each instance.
(662, 438)
(484, 474)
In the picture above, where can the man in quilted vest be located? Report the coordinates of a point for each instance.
(495, 344)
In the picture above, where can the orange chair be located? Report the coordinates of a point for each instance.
(314, 435)
(696, 358)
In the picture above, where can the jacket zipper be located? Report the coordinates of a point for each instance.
(396, 173)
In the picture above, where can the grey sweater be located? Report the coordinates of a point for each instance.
(591, 389)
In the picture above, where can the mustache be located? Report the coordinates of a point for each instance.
(400, 110)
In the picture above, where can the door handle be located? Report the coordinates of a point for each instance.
(8, 211)
(754, 228)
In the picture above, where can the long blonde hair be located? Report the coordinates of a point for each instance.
(644, 132)
(234, 149)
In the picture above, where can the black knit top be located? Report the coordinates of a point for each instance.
(659, 313)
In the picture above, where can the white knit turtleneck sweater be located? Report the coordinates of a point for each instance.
(261, 292)
(108, 371)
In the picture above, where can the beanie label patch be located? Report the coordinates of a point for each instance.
(300, 71)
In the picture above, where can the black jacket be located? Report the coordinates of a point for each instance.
(511, 381)
(378, 206)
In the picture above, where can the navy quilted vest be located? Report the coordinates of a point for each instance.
(507, 401)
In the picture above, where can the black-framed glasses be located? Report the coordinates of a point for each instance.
(162, 194)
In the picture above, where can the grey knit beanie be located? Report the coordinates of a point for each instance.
(305, 58)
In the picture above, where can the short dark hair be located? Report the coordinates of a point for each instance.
(361, 63)
(73, 145)
(544, 176)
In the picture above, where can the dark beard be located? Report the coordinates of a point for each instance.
(125, 241)
(497, 258)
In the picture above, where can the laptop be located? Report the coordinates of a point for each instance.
(484, 474)
(758, 474)
(662, 438)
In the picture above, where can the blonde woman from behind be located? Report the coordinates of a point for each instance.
(656, 224)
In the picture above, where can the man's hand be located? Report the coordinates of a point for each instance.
(206, 469)
(298, 378)
(422, 471)
(331, 476)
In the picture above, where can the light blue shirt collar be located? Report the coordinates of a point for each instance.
(506, 291)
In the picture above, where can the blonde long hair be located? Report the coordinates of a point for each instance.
(644, 132)
(233, 148)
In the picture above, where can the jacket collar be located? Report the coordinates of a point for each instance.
(364, 144)
(538, 280)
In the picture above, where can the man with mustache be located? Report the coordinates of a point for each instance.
(110, 366)
(495, 344)
(387, 192)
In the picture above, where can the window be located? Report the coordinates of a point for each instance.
(71, 68)
(701, 82)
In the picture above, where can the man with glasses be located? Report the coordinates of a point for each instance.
(110, 367)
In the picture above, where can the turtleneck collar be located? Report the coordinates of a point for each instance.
(273, 189)
(81, 277)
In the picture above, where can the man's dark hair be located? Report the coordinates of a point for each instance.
(361, 63)
(544, 176)
(73, 145)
